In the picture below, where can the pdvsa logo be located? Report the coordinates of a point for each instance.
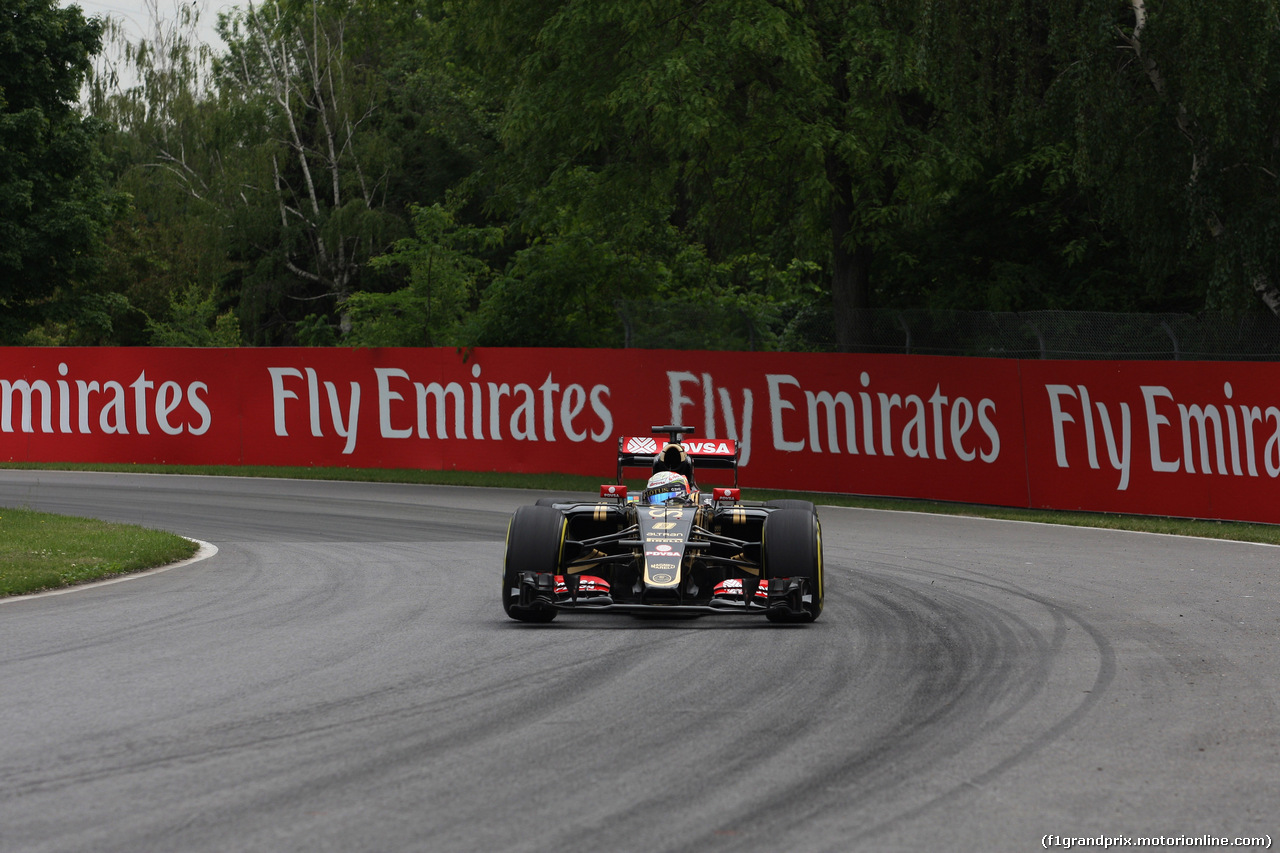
(641, 445)
(710, 448)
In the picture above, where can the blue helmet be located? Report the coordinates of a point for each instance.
(667, 486)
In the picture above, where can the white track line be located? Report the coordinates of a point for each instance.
(1061, 525)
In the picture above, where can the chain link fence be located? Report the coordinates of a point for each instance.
(991, 334)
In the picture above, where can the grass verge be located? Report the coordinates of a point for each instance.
(40, 551)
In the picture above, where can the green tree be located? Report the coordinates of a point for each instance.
(54, 204)
(1183, 106)
(195, 321)
(1160, 120)
(273, 172)
(320, 172)
(162, 150)
(797, 132)
(1019, 228)
(445, 276)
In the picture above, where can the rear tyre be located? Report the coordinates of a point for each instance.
(791, 547)
(535, 542)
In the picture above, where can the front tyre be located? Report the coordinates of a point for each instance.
(791, 547)
(535, 543)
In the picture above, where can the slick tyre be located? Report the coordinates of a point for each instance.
(792, 548)
(535, 542)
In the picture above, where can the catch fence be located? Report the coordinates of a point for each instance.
(990, 334)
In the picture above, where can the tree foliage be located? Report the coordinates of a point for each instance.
(485, 172)
(54, 205)
(1190, 167)
(785, 131)
(445, 277)
(1162, 117)
(318, 168)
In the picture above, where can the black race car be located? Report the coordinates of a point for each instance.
(672, 551)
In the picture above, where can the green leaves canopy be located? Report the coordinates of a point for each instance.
(53, 204)
(761, 156)
(795, 132)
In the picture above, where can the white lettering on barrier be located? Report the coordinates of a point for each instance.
(1119, 455)
(343, 427)
(433, 403)
(874, 415)
(716, 401)
(279, 394)
(28, 402)
(1218, 438)
(1154, 422)
(1213, 430)
(346, 430)
(385, 396)
(777, 405)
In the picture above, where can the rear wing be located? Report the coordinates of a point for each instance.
(641, 451)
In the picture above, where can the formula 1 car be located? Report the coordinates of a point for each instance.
(666, 552)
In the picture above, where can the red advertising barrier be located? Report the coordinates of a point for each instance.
(1194, 439)
(119, 405)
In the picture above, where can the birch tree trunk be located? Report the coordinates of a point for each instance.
(304, 71)
(1259, 279)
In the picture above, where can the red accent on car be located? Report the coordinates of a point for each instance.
(733, 587)
(587, 584)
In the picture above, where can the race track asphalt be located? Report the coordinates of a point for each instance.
(340, 677)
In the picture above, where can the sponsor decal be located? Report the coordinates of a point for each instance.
(640, 444)
(1158, 438)
(939, 425)
(75, 405)
(1198, 439)
(733, 586)
(586, 584)
(709, 448)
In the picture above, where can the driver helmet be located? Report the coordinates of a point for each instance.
(667, 486)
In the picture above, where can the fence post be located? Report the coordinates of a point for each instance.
(1177, 353)
(621, 307)
(1039, 337)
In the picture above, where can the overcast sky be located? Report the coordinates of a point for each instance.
(137, 14)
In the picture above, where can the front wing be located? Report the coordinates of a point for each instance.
(743, 597)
